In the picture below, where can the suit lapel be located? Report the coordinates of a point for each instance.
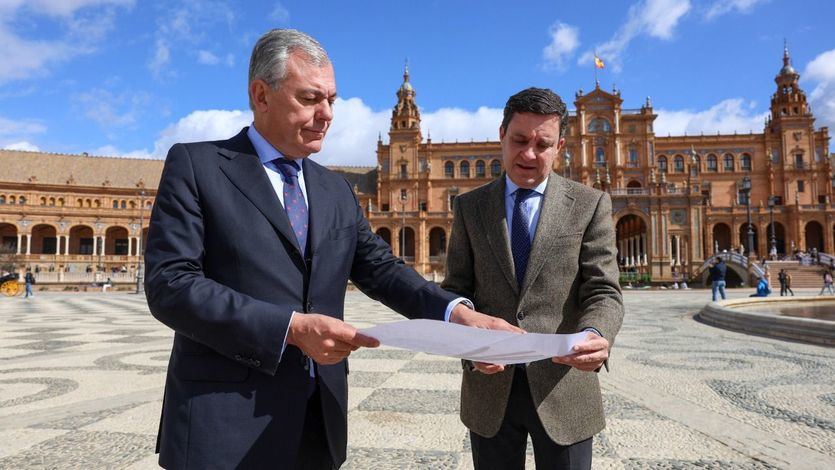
(493, 219)
(553, 221)
(320, 206)
(245, 171)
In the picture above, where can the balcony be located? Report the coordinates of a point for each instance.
(629, 191)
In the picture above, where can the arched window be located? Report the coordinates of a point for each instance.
(2, 199)
(115, 204)
(449, 170)
(599, 126)
(52, 201)
(20, 200)
(495, 168)
(729, 162)
(746, 162)
(600, 157)
(43, 201)
(633, 157)
(465, 169)
(678, 161)
(662, 164)
(11, 199)
(479, 169)
(711, 163)
(124, 204)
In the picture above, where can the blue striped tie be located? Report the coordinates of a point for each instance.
(294, 203)
(520, 235)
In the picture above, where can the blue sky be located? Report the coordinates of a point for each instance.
(132, 77)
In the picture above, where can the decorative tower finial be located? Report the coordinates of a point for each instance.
(406, 71)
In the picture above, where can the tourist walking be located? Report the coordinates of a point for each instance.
(28, 280)
(827, 283)
(717, 277)
(785, 283)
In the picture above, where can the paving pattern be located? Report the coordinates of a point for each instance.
(81, 380)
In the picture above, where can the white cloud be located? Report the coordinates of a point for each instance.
(162, 55)
(12, 127)
(564, 40)
(822, 70)
(654, 18)
(112, 151)
(729, 116)
(352, 137)
(211, 124)
(280, 14)
(722, 7)
(110, 109)
(207, 58)
(85, 28)
(22, 145)
(188, 26)
(66, 8)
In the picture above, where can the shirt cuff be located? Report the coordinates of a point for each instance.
(593, 330)
(455, 302)
(284, 344)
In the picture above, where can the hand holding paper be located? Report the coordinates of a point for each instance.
(475, 344)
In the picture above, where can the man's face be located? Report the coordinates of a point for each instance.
(529, 147)
(296, 117)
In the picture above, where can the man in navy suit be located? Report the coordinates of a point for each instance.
(248, 239)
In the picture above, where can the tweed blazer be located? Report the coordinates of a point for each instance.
(571, 283)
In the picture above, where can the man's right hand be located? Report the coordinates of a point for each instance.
(326, 339)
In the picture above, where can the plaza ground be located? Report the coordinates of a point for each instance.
(81, 380)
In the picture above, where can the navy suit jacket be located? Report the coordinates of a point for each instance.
(224, 271)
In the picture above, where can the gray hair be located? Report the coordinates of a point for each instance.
(270, 54)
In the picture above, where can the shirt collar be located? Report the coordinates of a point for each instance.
(265, 150)
(511, 187)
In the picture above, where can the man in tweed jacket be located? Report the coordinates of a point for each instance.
(537, 250)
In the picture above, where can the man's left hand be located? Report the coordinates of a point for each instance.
(588, 355)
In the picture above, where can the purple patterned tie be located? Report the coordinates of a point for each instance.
(294, 203)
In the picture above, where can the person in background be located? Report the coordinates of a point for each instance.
(827, 282)
(28, 280)
(762, 288)
(717, 277)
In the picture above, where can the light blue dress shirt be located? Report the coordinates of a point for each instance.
(530, 206)
(267, 153)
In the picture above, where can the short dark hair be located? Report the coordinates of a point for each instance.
(718, 259)
(537, 101)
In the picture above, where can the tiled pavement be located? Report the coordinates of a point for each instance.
(81, 386)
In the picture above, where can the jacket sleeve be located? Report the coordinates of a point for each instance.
(459, 260)
(385, 278)
(179, 294)
(600, 296)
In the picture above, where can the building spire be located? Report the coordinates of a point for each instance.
(786, 58)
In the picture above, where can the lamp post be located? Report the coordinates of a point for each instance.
(771, 204)
(139, 253)
(746, 189)
(403, 197)
(99, 249)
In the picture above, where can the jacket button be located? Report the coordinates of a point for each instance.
(309, 306)
(256, 363)
(520, 316)
(238, 357)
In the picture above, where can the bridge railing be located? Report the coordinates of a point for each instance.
(732, 258)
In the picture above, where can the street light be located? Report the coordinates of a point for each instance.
(139, 253)
(746, 189)
(404, 195)
(771, 204)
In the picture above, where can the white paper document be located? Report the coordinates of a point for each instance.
(476, 344)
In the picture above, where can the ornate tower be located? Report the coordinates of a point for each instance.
(790, 137)
(405, 117)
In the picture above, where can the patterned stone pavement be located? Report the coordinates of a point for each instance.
(81, 385)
